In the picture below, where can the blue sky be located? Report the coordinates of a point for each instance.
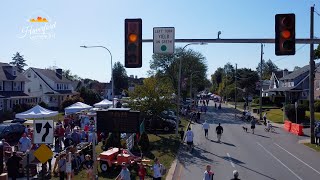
(101, 22)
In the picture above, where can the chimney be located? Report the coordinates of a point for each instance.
(136, 77)
(284, 72)
(59, 73)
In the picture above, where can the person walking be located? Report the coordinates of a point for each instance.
(13, 163)
(317, 134)
(24, 143)
(198, 116)
(189, 136)
(208, 174)
(219, 131)
(125, 173)
(206, 128)
(88, 166)
(62, 166)
(265, 118)
(235, 175)
(158, 169)
(253, 125)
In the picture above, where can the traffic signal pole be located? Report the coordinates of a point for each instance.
(261, 83)
(311, 77)
(240, 41)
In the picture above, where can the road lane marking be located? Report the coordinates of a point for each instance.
(297, 158)
(280, 161)
(231, 160)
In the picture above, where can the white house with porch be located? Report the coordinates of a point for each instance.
(49, 85)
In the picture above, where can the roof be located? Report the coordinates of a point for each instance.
(298, 72)
(7, 76)
(7, 94)
(282, 89)
(51, 74)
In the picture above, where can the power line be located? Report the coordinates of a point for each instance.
(289, 56)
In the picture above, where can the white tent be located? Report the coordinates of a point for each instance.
(37, 112)
(76, 107)
(103, 103)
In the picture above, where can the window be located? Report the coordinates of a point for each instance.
(29, 74)
(65, 87)
(50, 99)
(29, 90)
(34, 76)
(57, 86)
(0, 85)
(14, 72)
(40, 86)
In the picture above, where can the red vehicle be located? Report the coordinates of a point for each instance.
(114, 157)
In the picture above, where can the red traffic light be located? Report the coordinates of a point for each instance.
(285, 42)
(133, 43)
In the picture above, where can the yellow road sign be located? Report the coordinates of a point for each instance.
(43, 153)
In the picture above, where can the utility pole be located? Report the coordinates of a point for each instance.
(235, 89)
(311, 78)
(261, 83)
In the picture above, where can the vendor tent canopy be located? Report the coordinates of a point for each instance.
(103, 103)
(76, 107)
(37, 112)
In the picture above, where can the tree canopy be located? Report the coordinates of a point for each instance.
(267, 68)
(19, 62)
(120, 78)
(166, 68)
(153, 95)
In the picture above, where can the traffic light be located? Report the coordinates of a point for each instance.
(285, 41)
(133, 43)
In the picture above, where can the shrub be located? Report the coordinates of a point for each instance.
(69, 101)
(317, 106)
(18, 108)
(291, 113)
(113, 141)
(144, 142)
(278, 100)
(305, 104)
(43, 104)
(265, 101)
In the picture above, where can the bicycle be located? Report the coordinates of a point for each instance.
(271, 129)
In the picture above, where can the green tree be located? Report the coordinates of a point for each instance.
(120, 78)
(247, 79)
(267, 69)
(89, 96)
(18, 61)
(153, 95)
(317, 53)
(166, 68)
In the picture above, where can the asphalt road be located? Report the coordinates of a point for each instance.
(260, 156)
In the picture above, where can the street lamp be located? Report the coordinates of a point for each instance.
(179, 83)
(191, 83)
(112, 79)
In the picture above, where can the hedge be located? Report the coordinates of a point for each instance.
(278, 100)
(291, 113)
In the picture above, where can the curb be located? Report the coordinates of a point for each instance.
(174, 163)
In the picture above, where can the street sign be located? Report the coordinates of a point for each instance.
(43, 153)
(163, 40)
(43, 131)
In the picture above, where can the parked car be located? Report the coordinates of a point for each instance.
(158, 122)
(11, 132)
(167, 114)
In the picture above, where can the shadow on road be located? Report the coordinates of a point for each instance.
(237, 162)
(261, 135)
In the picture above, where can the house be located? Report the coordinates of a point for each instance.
(274, 82)
(12, 86)
(294, 86)
(48, 85)
(133, 81)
